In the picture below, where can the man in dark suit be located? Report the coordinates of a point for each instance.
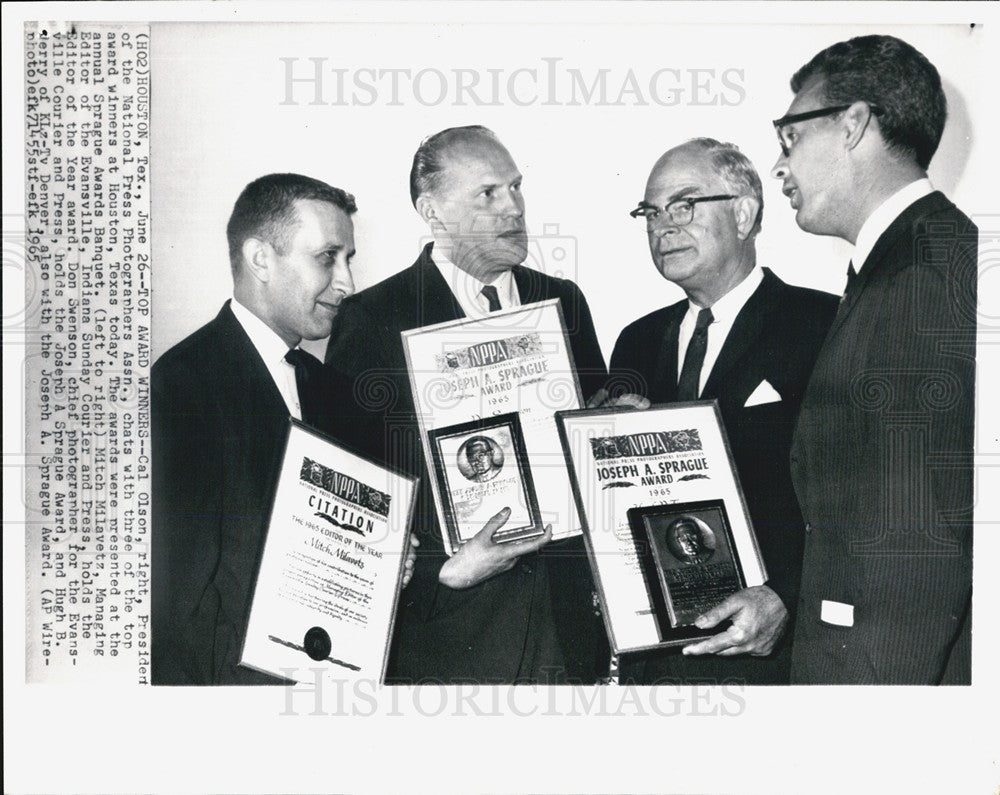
(748, 340)
(882, 454)
(221, 400)
(489, 613)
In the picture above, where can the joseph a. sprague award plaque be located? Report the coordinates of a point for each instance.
(332, 565)
(469, 374)
(482, 468)
(664, 518)
(687, 558)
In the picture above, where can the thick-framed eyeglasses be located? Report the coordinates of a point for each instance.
(680, 211)
(787, 139)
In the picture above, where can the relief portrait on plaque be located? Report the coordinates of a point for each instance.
(692, 561)
(690, 540)
(479, 459)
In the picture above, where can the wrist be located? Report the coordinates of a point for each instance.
(452, 577)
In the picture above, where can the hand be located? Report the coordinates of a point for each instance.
(481, 557)
(411, 558)
(600, 400)
(759, 617)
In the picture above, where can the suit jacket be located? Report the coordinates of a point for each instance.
(218, 429)
(882, 462)
(776, 338)
(502, 629)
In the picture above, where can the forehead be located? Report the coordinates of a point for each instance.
(810, 97)
(685, 171)
(477, 161)
(322, 224)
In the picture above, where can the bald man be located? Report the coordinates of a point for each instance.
(745, 338)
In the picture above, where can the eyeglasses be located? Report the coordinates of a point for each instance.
(787, 139)
(680, 211)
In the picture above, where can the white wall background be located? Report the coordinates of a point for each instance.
(218, 123)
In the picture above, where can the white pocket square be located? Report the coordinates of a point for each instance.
(764, 393)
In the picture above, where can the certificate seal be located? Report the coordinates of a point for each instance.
(317, 643)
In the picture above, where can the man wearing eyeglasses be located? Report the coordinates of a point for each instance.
(882, 454)
(748, 340)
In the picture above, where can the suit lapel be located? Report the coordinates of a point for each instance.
(237, 348)
(877, 259)
(664, 365)
(530, 285)
(437, 301)
(746, 329)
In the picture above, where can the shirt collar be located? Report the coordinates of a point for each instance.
(467, 288)
(268, 344)
(887, 212)
(728, 307)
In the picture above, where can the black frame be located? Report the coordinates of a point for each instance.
(512, 423)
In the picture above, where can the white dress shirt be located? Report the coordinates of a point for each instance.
(887, 212)
(724, 312)
(467, 289)
(272, 350)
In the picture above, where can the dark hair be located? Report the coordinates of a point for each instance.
(428, 161)
(266, 210)
(891, 74)
(736, 170)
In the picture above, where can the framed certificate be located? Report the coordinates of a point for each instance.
(516, 361)
(482, 468)
(664, 519)
(332, 564)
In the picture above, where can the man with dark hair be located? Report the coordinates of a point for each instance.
(266, 210)
(221, 400)
(430, 161)
(748, 340)
(901, 84)
(487, 613)
(882, 454)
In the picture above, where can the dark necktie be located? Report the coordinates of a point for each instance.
(852, 276)
(687, 387)
(308, 374)
(492, 297)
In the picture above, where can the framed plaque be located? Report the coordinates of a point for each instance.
(516, 361)
(688, 562)
(332, 564)
(482, 468)
(664, 519)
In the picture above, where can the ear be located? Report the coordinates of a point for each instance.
(745, 209)
(855, 122)
(257, 258)
(425, 206)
